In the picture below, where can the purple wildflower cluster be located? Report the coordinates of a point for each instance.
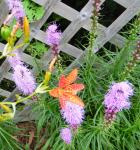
(24, 79)
(66, 135)
(73, 115)
(16, 8)
(21, 75)
(117, 99)
(53, 38)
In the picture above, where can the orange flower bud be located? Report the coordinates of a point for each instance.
(26, 30)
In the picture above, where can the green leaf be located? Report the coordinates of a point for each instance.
(33, 11)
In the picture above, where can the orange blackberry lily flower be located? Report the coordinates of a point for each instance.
(67, 90)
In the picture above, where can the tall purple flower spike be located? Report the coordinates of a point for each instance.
(117, 99)
(53, 38)
(24, 79)
(73, 114)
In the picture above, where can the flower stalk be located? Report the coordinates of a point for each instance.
(132, 63)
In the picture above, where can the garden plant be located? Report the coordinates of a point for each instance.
(94, 106)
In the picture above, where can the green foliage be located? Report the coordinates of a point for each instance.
(33, 11)
(124, 56)
(97, 73)
(49, 119)
(37, 48)
(7, 139)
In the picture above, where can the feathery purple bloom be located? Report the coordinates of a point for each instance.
(73, 114)
(53, 35)
(24, 79)
(118, 95)
(66, 135)
(15, 60)
(16, 8)
(117, 99)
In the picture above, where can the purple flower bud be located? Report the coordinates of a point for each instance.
(66, 135)
(53, 35)
(110, 115)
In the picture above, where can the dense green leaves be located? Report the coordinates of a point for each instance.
(33, 11)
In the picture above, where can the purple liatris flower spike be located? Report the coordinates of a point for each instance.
(16, 8)
(118, 95)
(15, 60)
(24, 79)
(53, 35)
(117, 99)
(66, 135)
(73, 114)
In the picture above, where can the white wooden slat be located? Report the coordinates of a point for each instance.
(1, 47)
(112, 29)
(77, 23)
(125, 3)
(4, 93)
(40, 2)
(70, 13)
(117, 39)
(8, 76)
(70, 50)
(119, 23)
(72, 29)
(67, 48)
(3, 11)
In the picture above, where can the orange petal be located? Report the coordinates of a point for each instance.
(74, 88)
(72, 76)
(56, 92)
(74, 99)
(62, 102)
(63, 82)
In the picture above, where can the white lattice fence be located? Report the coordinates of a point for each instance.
(77, 20)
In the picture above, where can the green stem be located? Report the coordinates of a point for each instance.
(2, 56)
(21, 100)
(26, 98)
(48, 90)
(7, 103)
(18, 46)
